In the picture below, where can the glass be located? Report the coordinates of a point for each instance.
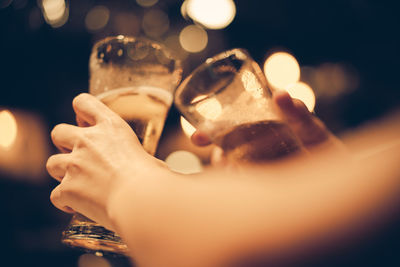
(227, 98)
(136, 78)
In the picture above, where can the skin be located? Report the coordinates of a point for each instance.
(224, 213)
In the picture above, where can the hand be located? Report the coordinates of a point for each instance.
(98, 155)
(310, 130)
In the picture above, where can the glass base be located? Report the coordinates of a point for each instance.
(93, 237)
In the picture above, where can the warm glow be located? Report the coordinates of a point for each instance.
(146, 3)
(281, 70)
(184, 162)
(187, 128)
(303, 92)
(209, 108)
(8, 129)
(193, 38)
(251, 84)
(184, 9)
(55, 12)
(90, 260)
(97, 18)
(155, 23)
(212, 14)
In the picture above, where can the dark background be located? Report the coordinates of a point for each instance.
(43, 68)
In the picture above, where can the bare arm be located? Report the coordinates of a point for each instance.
(211, 218)
(222, 214)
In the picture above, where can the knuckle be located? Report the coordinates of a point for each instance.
(84, 139)
(73, 165)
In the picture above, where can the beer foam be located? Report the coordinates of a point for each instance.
(159, 93)
(131, 103)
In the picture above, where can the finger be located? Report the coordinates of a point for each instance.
(304, 124)
(292, 109)
(64, 136)
(58, 201)
(81, 123)
(57, 166)
(200, 139)
(90, 109)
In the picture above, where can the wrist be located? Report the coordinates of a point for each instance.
(134, 189)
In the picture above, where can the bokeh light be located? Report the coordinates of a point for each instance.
(173, 43)
(209, 108)
(126, 23)
(281, 70)
(55, 12)
(193, 38)
(303, 92)
(97, 18)
(146, 3)
(90, 260)
(187, 128)
(24, 145)
(8, 129)
(212, 14)
(155, 23)
(184, 162)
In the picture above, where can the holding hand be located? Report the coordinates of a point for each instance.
(310, 130)
(97, 156)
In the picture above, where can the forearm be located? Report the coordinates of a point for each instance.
(206, 219)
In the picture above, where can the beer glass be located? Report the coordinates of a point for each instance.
(227, 98)
(136, 78)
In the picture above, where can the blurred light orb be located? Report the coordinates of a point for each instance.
(127, 23)
(303, 92)
(184, 162)
(155, 23)
(209, 108)
(8, 129)
(173, 43)
(184, 10)
(146, 3)
(55, 12)
(212, 14)
(281, 70)
(193, 38)
(90, 260)
(97, 18)
(187, 128)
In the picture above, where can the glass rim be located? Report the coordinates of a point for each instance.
(240, 53)
(126, 39)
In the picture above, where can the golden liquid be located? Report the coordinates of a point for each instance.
(258, 142)
(145, 113)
